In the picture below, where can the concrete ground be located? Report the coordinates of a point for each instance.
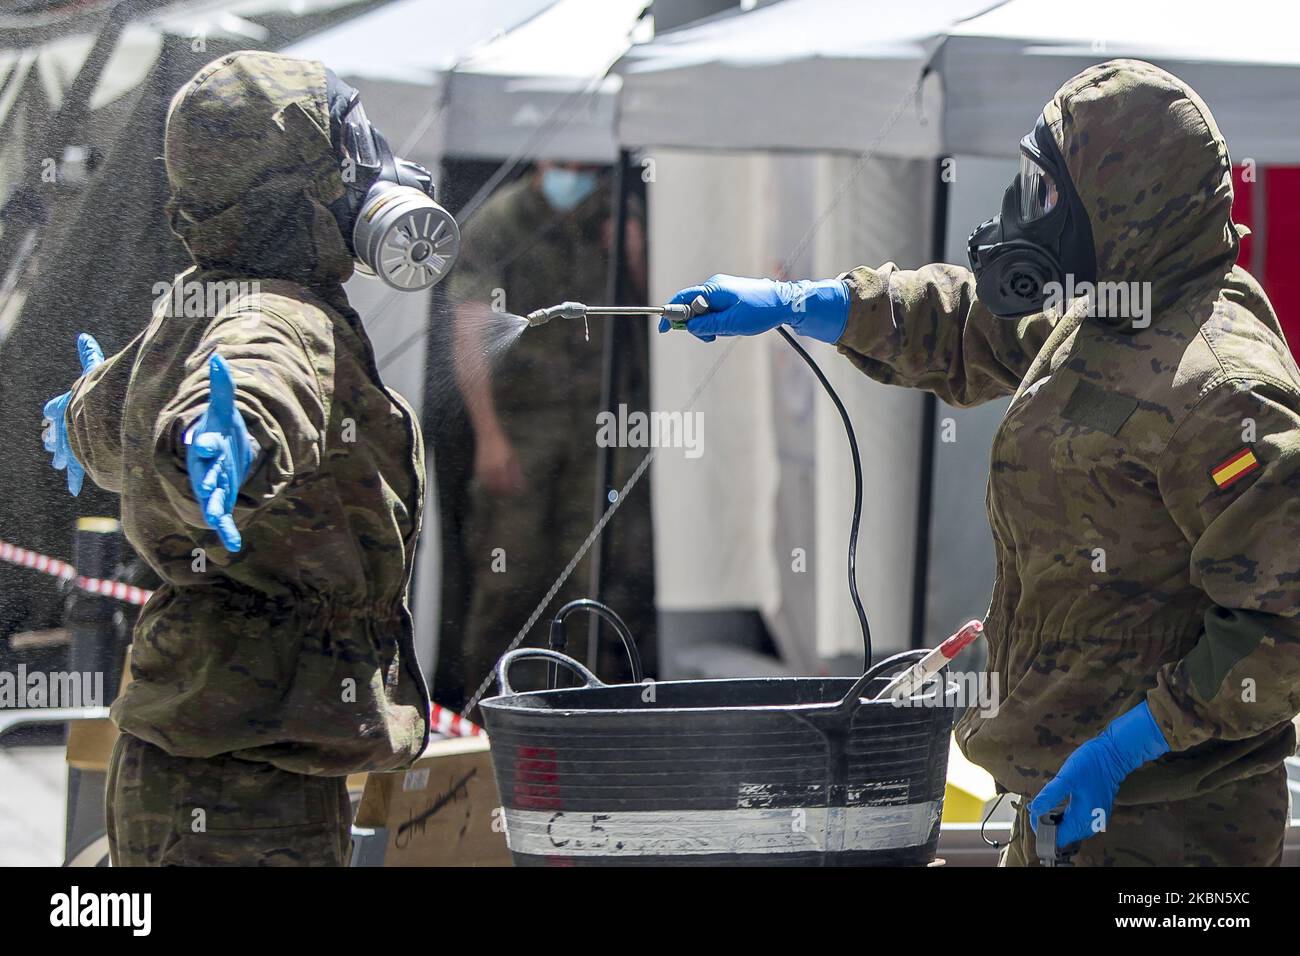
(33, 794)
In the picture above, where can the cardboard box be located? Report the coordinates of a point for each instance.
(91, 742)
(443, 811)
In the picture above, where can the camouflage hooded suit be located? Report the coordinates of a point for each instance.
(1144, 492)
(261, 678)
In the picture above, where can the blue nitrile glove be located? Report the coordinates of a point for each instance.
(55, 437)
(739, 306)
(220, 452)
(1090, 777)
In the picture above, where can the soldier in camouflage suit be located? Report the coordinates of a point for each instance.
(260, 678)
(1143, 487)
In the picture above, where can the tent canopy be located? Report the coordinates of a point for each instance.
(801, 74)
(1000, 68)
(828, 74)
(545, 87)
(413, 41)
(503, 77)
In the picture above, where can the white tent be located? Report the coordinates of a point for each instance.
(400, 55)
(776, 75)
(1000, 68)
(799, 74)
(505, 77)
(544, 88)
(723, 102)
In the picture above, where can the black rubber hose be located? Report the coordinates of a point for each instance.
(857, 492)
(559, 639)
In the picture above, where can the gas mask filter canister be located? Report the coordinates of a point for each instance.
(394, 227)
(405, 238)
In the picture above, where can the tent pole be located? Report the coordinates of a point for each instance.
(610, 367)
(929, 417)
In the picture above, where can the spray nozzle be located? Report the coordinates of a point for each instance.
(678, 315)
(565, 310)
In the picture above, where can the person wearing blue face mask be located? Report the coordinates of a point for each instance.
(542, 239)
(565, 187)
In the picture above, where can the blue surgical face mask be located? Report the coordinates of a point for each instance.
(565, 188)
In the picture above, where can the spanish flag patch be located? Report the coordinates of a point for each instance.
(1241, 464)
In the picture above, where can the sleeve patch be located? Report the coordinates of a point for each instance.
(1236, 467)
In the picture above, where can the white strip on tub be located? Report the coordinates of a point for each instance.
(695, 832)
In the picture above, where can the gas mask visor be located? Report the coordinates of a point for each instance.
(1039, 193)
(1041, 234)
(356, 138)
(396, 230)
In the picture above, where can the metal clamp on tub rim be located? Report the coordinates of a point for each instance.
(503, 666)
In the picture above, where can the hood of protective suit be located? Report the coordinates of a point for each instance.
(1153, 173)
(252, 170)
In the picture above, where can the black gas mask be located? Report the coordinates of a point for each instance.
(393, 227)
(1042, 233)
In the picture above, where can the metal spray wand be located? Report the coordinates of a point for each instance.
(677, 315)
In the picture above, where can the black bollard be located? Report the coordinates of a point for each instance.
(97, 647)
(97, 642)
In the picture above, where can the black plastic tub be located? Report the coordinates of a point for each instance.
(763, 771)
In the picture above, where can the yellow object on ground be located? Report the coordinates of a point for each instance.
(968, 791)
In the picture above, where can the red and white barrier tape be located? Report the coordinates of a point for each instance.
(446, 722)
(43, 563)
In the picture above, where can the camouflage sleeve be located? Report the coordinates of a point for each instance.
(1231, 480)
(925, 329)
(94, 417)
(281, 354)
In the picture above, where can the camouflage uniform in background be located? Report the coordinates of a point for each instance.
(1118, 446)
(260, 679)
(547, 392)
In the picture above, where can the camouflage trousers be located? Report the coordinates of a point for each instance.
(220, 811)
(1240, 824)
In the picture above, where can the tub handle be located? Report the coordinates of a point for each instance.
(568, 663)
(889, 665)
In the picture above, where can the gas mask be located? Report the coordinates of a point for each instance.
(1042, 234)
(393, 227)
